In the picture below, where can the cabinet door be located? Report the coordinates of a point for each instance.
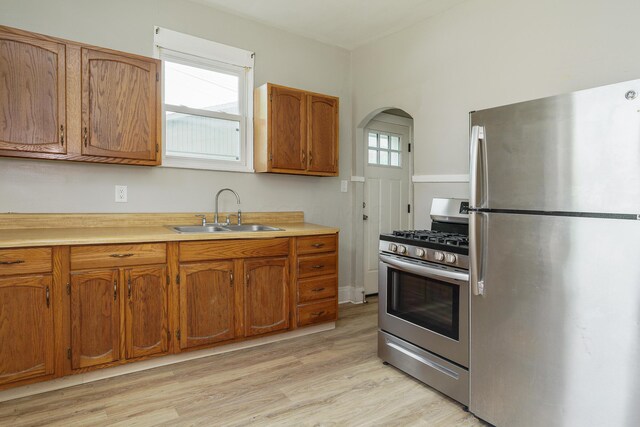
(32, 94)
(323, 134)
(146, 311)
(266, 298)
(206, 303)
(119, 110)
(95, 322)
(26, 328)
(288, 128)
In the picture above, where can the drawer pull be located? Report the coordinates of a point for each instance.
(121, 255)
(318, 313)
(318, 245)
(317, 266)
(18, 261)
(317, 289)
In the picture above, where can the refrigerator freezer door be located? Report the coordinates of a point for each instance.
(577, 152)
(555, 339)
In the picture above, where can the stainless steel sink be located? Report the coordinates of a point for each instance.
(199, 229)
(252, 227)
(222, 228)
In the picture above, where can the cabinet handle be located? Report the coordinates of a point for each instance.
(18, 261)
(48, 296)
(304, 158)
(317, 289)
(121, 255)
(318, 313)
(129, 287)
(115, 290)
(247, 279)
(85, 136)
(231, 278)
(317, 266)
(310, 157)
(318, 245)
(61, 134)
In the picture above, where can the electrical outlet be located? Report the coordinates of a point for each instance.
(121, 193)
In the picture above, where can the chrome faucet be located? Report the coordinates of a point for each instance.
(215, 215)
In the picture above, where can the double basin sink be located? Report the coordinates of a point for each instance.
(222, 228)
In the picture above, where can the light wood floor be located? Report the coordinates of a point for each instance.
(331, 378)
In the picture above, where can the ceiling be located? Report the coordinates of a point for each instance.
(343, 23)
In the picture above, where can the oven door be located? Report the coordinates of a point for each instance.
(425, 304)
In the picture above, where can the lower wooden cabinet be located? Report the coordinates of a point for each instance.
(98, 297)
(206, 303)
(146, 316)
(95, 318)
(72, 309)
(26, 328)
(266, 303)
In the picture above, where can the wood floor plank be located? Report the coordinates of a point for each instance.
(332, 378)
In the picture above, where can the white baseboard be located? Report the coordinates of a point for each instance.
(350, 294)
(73, 380)
(440, 178)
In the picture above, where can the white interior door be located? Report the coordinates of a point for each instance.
(387, 189)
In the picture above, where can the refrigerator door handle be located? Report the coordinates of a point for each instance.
(476, 249)
(475, 164)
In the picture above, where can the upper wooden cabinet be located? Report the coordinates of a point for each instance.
(296, 131)
(119, 106)
(68, 101)
(32, 94)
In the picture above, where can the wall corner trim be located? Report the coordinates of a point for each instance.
(440, 178)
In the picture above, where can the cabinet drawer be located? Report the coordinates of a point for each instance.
(316, 265)
(227, 249)
(117, 255)
(317, 312)
(316, 244)
(22, 261)
(317, 288)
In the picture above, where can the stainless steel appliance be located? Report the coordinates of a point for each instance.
(424, 300)
(554, 248)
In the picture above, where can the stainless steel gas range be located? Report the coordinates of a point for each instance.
(424, 300)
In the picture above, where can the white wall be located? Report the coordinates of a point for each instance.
(485, 53)
(283, 58)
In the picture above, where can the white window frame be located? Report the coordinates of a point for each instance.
(388, 150)
(194, 51)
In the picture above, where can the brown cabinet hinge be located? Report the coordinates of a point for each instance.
(177, 279)
(157, 77)
(178, 334)
(168, 280)
(61, 134)
(157, 148)
(68, 288)
(69, 353)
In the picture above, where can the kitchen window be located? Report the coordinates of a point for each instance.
(207, 103)
(385, 149)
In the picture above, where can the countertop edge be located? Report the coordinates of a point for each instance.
(25, 238)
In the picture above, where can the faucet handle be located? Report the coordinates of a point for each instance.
(203, 218)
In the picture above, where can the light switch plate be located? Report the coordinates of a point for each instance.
(344, 186)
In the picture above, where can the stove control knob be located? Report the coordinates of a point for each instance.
(439, 256)
(402, 250)
(393, 247)
(420, 252)
(450, 258)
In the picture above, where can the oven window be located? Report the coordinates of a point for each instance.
(426, 302)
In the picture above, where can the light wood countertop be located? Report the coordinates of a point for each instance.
(135, 233)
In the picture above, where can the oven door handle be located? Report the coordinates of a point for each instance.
(423, 270)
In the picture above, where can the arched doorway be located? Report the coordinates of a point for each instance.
(387, 192)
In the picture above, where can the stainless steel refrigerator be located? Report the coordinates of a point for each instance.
(555, 260)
